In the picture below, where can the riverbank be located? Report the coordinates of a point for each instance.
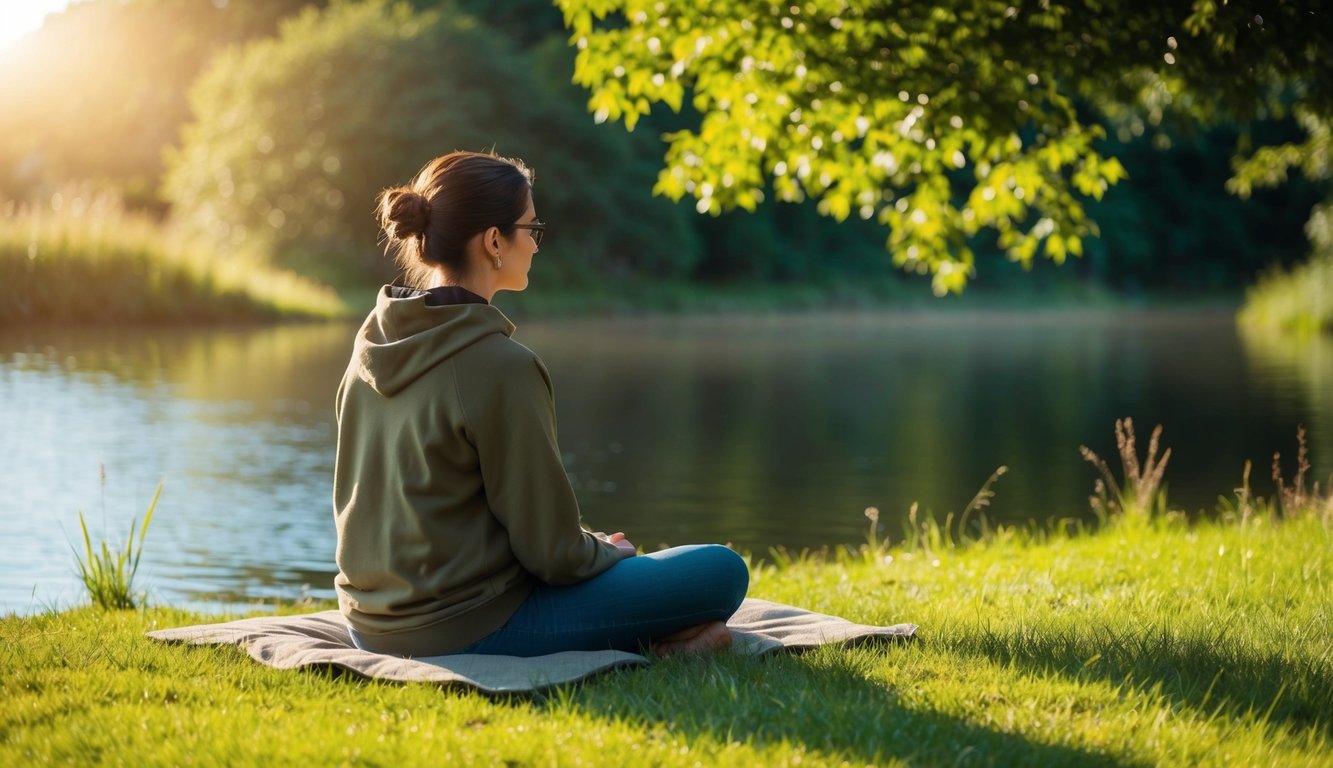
(89, 261)
(1144, 643)
(142, 285)
(1297, 303)
(893, 293)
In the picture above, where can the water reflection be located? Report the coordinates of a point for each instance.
(1298, 370)
(779, 431)
(237, 423)
(758, 431)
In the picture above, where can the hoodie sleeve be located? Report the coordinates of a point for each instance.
(511, 416)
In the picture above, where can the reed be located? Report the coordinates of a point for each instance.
(84, 258)
(108, 574)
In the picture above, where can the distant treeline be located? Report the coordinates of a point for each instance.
(269, 126)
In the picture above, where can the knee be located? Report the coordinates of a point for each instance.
(731, 573)
(711, 574)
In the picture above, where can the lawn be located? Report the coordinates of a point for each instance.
(1147, 642)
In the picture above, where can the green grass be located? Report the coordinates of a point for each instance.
(108, 574)
(1152, 641)
(1298, 301)
(1149, 642)
(90, 261)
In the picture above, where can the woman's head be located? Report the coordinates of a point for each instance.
(432, 222)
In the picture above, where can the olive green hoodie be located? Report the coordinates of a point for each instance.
(450, 497)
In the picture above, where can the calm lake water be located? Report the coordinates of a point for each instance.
(759, 431)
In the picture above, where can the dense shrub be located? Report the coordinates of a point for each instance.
(292, 138)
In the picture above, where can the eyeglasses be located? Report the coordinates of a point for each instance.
(538, 229)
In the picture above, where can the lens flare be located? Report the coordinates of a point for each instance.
(17, 19)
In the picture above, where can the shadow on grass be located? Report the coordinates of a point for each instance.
(828, 703)
(1207, 674)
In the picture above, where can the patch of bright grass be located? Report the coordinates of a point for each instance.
(90, 261)
(1298, 301)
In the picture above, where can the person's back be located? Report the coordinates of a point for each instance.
(455, 517)
(420, 542)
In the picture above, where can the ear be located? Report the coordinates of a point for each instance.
(490, 240)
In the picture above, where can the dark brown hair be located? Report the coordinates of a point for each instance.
(429, 222)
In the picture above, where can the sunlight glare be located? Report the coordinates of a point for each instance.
(19, 17)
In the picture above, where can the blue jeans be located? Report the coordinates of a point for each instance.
(625, 607)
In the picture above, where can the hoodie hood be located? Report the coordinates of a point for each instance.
(405, 336)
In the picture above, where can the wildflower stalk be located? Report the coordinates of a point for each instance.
(872, 536)
(1142, 493)
(978, 503)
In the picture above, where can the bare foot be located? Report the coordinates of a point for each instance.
(704, 638)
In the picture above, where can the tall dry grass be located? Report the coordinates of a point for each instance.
(82, 257)
(1141, 493)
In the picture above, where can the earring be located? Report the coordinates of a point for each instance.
(498, 263)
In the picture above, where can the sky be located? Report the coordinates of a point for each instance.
(19, 17)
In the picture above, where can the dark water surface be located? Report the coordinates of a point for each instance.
(759, 431)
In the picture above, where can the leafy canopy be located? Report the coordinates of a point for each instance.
(940, 121)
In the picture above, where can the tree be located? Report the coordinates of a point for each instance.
(940, 120)
(293, 137)
(99, 90)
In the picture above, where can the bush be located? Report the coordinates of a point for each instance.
(1300, 300)
(293, 137)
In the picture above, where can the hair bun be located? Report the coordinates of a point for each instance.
(404, 213)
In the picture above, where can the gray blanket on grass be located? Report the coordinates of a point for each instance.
(321, 639)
